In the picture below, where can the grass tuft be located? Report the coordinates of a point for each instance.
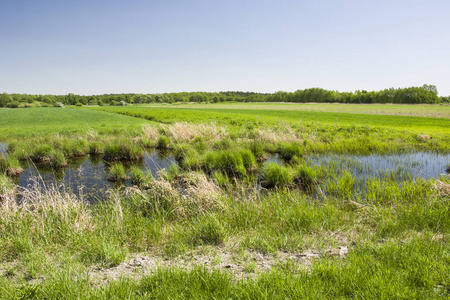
(275, 176)
(117, 172)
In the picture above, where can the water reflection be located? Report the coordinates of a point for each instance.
(3, 148)
(401, 166)
(88, 176)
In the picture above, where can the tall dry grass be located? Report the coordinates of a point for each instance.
(184, 132)
(45, 207)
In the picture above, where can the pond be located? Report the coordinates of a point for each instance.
(87, 176)
(403, 166)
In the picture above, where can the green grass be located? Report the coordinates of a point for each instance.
(275, 176)
(418, 110)
(66, 121)
(117, 172)
(238, 116)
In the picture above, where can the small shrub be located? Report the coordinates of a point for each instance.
(274, 175)
(122, 103)
(13, 104)
(79, 104)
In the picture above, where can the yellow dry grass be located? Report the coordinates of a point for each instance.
(41, 206)
(184, 132)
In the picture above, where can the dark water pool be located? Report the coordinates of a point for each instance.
(88, 176)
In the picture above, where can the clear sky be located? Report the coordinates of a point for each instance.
(110, 46)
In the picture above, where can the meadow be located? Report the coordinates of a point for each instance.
(414, 110)
(224, 222)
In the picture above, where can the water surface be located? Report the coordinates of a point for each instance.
(3, 148)
(87, 176)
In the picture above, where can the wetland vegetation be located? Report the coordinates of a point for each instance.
(227, 200)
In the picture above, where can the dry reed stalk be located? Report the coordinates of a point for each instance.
(117, 215)
(202, 195)
(184, 132)
(270, 136)
(91, 134)
(150, 132)
(442, 188)
(41, 204)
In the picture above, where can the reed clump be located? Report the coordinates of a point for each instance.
(10, 165)
(306, 177)
(117, 172)
(290, 151)
(232, 162)
(123, 151)
(163, 143)
(273, 175)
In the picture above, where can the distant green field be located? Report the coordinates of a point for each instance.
(47, 121)
(240, 114)
(416, 110)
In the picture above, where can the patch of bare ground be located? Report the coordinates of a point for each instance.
(241, 265)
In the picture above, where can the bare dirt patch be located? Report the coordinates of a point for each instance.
(241, 265)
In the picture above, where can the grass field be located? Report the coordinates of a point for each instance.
(223, 224)
(413, 110)
(66, 121)
(232, 115)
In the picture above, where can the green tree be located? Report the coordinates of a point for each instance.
(4, 99)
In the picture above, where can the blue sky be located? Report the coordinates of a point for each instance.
(96, 47)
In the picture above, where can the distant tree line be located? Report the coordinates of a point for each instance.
(424, 94)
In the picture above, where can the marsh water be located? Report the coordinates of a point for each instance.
(397, 167)
(402, 166)
(87, 176)
(3, 148)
